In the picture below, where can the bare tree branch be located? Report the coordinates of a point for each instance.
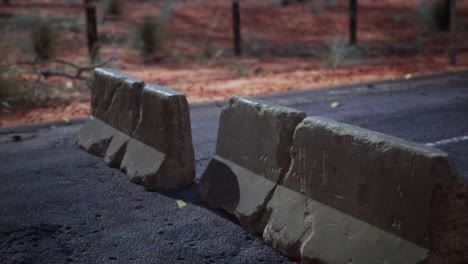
(97, 65)
(59, 61)
(46, 73)
(79, 69)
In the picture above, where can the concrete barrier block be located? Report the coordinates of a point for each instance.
(142, 163)
(116, 149)
(142, 129)
(164, 126)
(116, 98)
(356, 196)
(252, 156)
(95, 136)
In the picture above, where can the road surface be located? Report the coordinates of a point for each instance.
(59, 204)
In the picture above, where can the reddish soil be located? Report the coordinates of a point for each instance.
(393, 42)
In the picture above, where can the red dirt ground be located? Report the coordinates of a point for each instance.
(382, 26)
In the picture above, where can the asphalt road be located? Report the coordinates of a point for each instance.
(59, 204)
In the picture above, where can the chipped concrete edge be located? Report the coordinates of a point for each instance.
(274, 127)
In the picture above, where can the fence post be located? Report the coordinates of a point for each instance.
(453, 32)
(91, 27)
(236, 28)
(352, 22)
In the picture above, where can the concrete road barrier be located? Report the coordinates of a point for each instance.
(144, 129)
(344, 194)
(356, 196)
(252, 157)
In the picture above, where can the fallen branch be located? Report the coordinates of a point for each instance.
(100, 64)
(49, 72)
(46, 73)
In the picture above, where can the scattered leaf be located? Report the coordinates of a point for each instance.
(180, 203)
(6, 104)
(66, 120)
(53, 127)
(69, 85)
(408, 76)
(334, 104)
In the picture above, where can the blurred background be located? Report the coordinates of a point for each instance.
(213, 49)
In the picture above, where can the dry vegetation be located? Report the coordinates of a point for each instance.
(187, 45)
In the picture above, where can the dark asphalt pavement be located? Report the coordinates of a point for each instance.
(59, 204)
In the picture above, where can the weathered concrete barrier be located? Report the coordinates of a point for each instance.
(356, 195)
(252, 156)
(143, 129)
(345, 195)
